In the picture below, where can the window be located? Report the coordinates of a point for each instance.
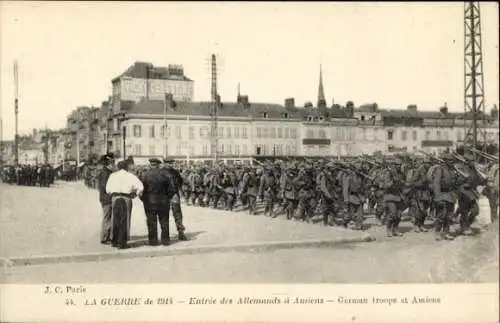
(245, 151)
(221, 132)
(362, 118)
(293, 133)
(414, 135)
(244, 133)
(191, 132)
(137, 131)
(138, 149)
(177, 132)
(228, 132)
(404, 135)
(288, 150)
(205, 149)
(459, 135)
(236, 149)
(309, 118)
(427, 135)
(265, 132)
(266, 115)
(285, 115)
(294, 150)
(259, 132)
(236, 132)
(178, 149)
(221, 148)
(287, 133)
(280, 133)
(390, 134)
(309, 133)
(229, 149)
(152, 150)
(438, 135)
(273, 132)
(152, 131)
(322, 133)
(191, 150)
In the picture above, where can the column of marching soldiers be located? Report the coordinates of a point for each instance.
(443, 189)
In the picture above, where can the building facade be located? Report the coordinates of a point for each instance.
(143, 80)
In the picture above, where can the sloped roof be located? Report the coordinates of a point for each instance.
(230, 109)
(145, 70)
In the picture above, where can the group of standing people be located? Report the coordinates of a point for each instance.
(158, 189)
(28, 175)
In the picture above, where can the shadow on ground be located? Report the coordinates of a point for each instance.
(142, 240)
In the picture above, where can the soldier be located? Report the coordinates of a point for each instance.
(492, 190)
(158, 191)
(267, 191)
(196, 183)
(467, 181)
(230, 186)
(290, 192)
(175, 202)
(420, 197)
(307, 201)
(351, 189)
(392, 183)
(105, 199)
(250, 189)
(325, 183)
(443, 182)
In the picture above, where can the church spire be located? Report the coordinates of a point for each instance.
(321, 91)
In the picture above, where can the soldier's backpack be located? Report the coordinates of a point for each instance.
(207, 179)
(431, 171)
(269, 181)
(197, 180)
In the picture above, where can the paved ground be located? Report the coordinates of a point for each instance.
(66, 219)
(412, 258)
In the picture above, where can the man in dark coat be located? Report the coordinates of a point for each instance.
(157, 194)
(175, 203)
(108, 162)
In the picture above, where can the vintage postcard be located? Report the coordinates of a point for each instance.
(249, 161)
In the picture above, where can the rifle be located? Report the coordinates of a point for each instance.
(485, 155)
(354, 169)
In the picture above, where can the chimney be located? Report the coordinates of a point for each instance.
(412, 108)
(244, 101)
(290, 103)
(169, 99)
(444, 110)
(494, 112)
(349, 109)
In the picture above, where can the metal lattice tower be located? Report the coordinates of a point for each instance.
(474, 77)
(214, 107)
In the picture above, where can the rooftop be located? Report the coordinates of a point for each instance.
(230, 109)
(145, 70)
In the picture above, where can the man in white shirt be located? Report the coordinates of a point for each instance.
(123, 186)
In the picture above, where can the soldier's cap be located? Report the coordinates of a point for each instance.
(110, 155)
(154, 161)
(168, 161)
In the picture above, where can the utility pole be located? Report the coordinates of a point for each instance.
(16, 111)
(474, 76)
(214, 107)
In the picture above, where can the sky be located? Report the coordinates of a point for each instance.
(393, 54)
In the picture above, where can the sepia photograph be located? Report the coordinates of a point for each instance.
(249, 143)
